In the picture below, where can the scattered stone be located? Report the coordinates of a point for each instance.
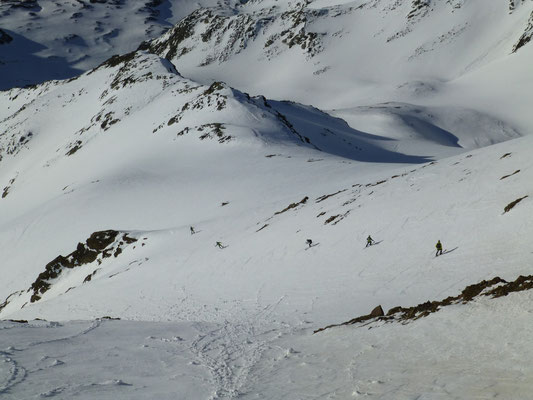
(507, 176)
(293, 205)
(511, 205)
(494, 288)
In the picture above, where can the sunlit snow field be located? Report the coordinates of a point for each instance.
(407, 149)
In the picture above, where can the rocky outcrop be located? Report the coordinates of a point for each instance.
(222, 35)
(102, 244)
(493, 288)
(526, 36)
(419, 8)
(512, 204)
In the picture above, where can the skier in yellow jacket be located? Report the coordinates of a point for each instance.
(439, 248)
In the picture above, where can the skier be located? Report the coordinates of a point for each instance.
(369, 241)
(220, 245)
(309, 242)
(439, 248)
(192, 230)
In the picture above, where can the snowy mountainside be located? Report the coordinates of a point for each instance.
(44, 40)
(125, 87)
(145, 138)
(157, 217)
(138, 105)
(238, 320)
(336, 54)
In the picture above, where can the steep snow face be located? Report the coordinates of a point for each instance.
(337, 54)
(61, 39)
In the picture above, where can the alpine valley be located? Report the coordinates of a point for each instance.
(164, 163)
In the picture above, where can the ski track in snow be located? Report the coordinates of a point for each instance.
(228, 351)
(11, 372)
(17, 373)
(232, 349)
(237, 319)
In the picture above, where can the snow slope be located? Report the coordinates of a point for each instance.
(180, 151)
(102, 176)
(338, 54)
(262, 311)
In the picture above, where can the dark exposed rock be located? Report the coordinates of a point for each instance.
(263, 227)
(511, 205)
(377, 312)
(6, 189)
(494, 288)
(519, 285)
(98, 244)
(507, 176)
(474, 290)
(214, 130)
(115, 60)
(293, 205)
(215, 86)
(376, 183)
(230, 34)
(526, 36)
(419, 8)
(170, 48)
(74, 148)
(283, 119)
(327, 196)
(331, 219)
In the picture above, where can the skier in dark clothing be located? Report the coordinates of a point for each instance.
(309, 242)
(220, 245)
(439, 248)
(192, 230)
(369, 241)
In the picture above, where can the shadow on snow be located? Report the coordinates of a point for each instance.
(317, 129)
(20, 66)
